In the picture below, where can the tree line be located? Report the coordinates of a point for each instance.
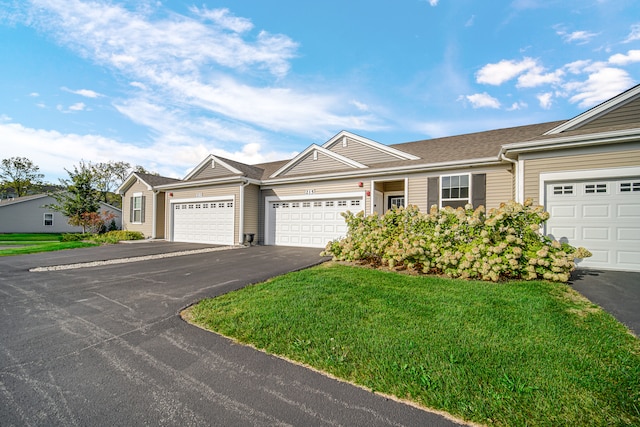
(78, 197)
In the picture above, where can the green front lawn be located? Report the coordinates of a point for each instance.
(517, 353)
(21, 237)
(35, 243)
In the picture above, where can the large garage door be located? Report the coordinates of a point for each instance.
(601, 215)
(203, 222)
(310, 223)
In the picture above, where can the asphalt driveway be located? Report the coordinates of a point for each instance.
(617, 292)
(105, 346)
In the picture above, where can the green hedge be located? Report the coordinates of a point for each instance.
(504, 243)
(117, 236)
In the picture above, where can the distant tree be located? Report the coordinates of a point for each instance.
(141, 169)
(20, 175)
(79, 198)
(108, 176)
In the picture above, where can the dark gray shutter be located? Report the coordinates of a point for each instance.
(130, 209)
(142, 209)
(479, 189)
(433, 192)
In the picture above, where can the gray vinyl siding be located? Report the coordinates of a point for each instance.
(28, 217)
(500, 188)
(204, 192)
(627, 114)
(146, 227)
(361, 153)
(567, 162)
(251, 208)
(323, 164)
(207, 172)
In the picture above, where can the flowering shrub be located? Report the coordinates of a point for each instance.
(503, 243)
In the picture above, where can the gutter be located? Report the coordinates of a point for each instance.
(232, 179)
(487, 161)
(516, 173)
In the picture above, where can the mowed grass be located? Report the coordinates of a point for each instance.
(517, 353)
(35, 243)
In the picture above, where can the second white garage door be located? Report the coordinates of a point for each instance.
(600, 215)
(309, 223)
(204, 222)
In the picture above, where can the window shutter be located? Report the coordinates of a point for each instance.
(130, 209)
(142, 209)
(433, 192)
(479, 188)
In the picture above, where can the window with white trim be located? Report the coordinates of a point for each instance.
(628, 187)
(455, 188)
(561, 190)
(48, 220)
(137, 207)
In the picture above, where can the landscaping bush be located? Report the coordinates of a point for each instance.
(74, 237)
(117, 236)
(504, 243)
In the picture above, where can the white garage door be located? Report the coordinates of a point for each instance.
(600, 215)
(310, 223)
(203, 222)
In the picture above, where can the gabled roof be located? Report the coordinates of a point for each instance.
(392, 152)
(23, 199)
(598, 111)
(16, 200)
(148, 179)
(313, 148)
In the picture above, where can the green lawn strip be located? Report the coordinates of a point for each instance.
(45, 247)
(518, 353)
(20, 237)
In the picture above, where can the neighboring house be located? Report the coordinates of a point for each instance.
(29, 214)
(585, 171)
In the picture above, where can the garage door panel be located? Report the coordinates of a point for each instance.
(595, 211)
(606, 221)
(629, 234)
(311, 223)
(563, 211)
(595, 233)
(199, 222)
(628, 211)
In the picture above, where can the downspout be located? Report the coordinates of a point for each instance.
(515, 174)
(241, 223)
(155, 214)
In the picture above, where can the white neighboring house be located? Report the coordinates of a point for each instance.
(29, 214)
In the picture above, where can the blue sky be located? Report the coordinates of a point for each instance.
(165, 83)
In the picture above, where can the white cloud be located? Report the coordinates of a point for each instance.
(78, 106)
(434, 2)
(498, 73)
(537, 77)
(577, 67)
(545, 100)
(600, 85)
(470, 21)
(579, 37)
(34, 94)
(87, 93)
(224, 19)
(634, 34)
(517, 106)
(202, 62)
(622, 59)
(483, 100)
(54, 151)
